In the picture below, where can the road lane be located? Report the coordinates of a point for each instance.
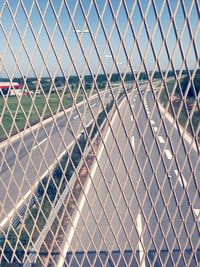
(185, 157)
(27, 159)
(133, 180)
(24, 162)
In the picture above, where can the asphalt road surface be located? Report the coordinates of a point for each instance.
(141, 204)
(26, 160)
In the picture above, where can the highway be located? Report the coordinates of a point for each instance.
(140, 205)
(25, 160)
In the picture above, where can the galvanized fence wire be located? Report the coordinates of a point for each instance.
(100, 132)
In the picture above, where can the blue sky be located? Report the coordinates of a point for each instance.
(53, 57)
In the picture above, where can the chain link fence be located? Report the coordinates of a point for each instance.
(99, 133)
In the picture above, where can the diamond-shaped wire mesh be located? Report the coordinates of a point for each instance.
(99, 133)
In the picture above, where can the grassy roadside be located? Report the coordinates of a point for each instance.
(15, 241)
(176, 101)
(18, 115)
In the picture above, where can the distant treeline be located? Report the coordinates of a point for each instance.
(102, 79)
(115, 77)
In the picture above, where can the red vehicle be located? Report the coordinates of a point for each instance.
(11, 88)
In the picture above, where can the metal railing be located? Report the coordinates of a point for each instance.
(100, 132)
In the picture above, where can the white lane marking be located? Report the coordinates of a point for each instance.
(152, 121)
(133, 141)
(186, 136)
(39, 143)
(197, 212)
(76, 117)
(131, 117)
(45, 121)
(141, 242)
(13, 211)
(155, 129)
(182, 181)
(93, 105)
(161, 140)
(9, 216)
(168, 153)
(84, 197)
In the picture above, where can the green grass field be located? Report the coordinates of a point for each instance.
(16, 115)
(183, 117)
